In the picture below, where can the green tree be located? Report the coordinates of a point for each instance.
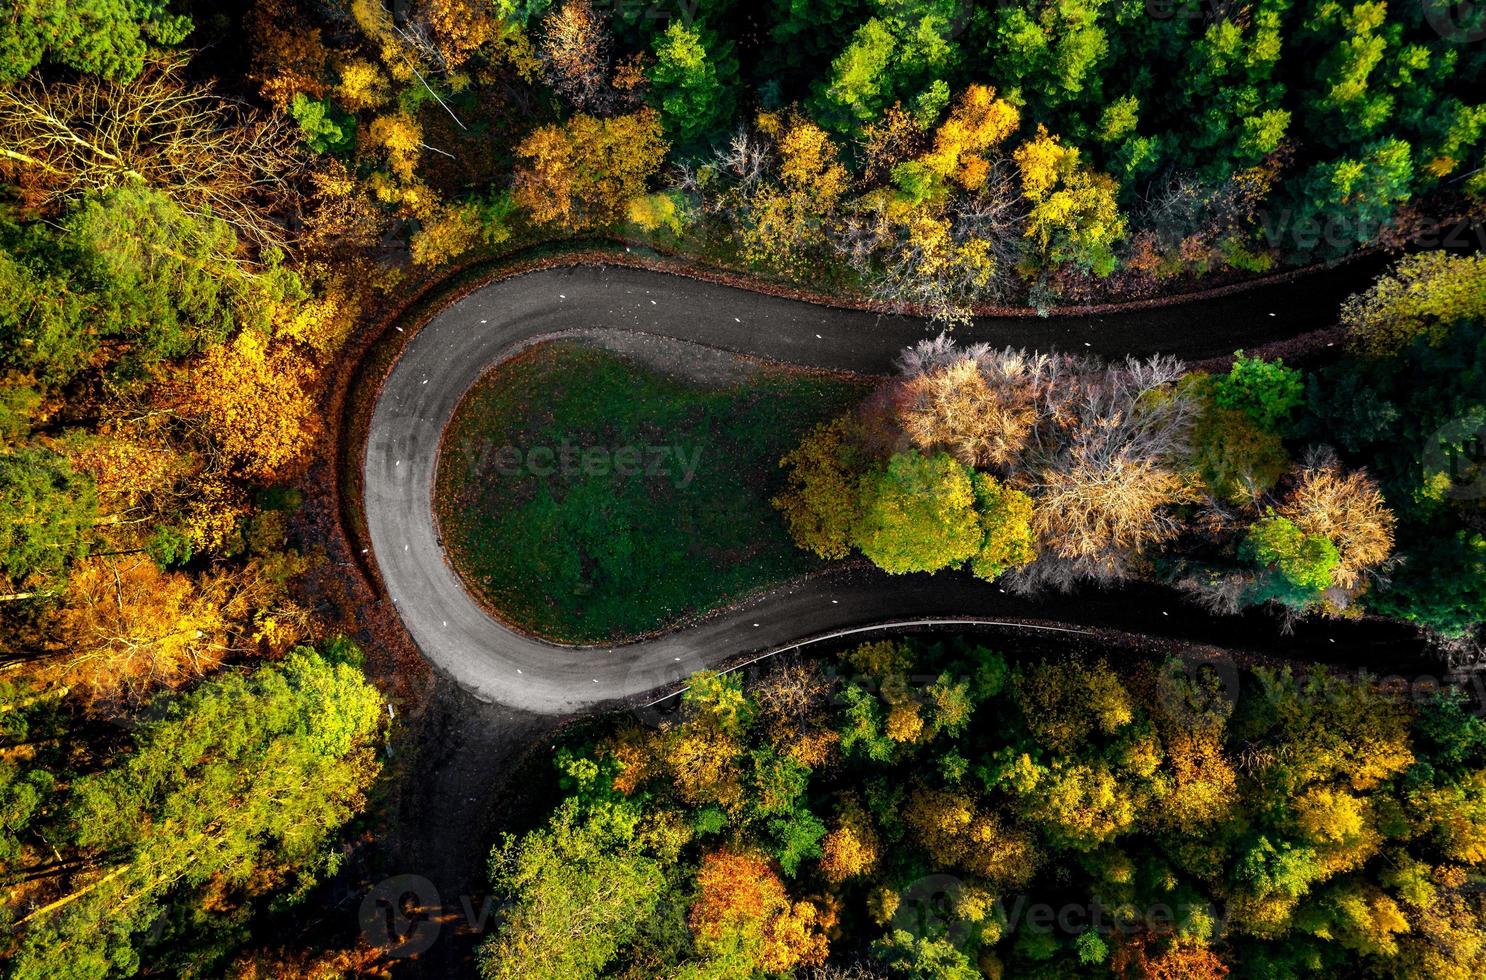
(325, 127)
(1266, 391)
(161, 277)
(902, 55)
(579, 890)
(44, 325)
(918, 514)
(1302, 563)
(243, 780)
(1006, 519)
(1441, 584)
(46, 514)
(693, 80)
(1048, 55)
(101, 37)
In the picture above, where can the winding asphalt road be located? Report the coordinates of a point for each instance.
(465, 339)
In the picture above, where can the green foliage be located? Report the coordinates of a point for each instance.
(1325, 816)
(1266, 391)
(1236, 458)
(100, 37)
(168, 547)
(918, 514)
(902, 55)
(129, 264)
(1304, 562)
(43, 316)
(581, 892)
(286, 751)
(796, 840)
(47, 512)
(1441, 585)
(920, 957)
(1052, 50)
(1006, 517)
(1410, 414)
(160, 276)
(325, 127)
(693, 80)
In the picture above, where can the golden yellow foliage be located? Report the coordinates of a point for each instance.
(257, 400)
(702, 763)
(324, 320)
(127, 626)
(584, 173)
(851, 849)
(214, 514)
(1086, 803)
(452, 231)
(1422, 296)
(978, 122)
(1074, 216)
(1203, 788)
(820, 503)
(131, 461)
(289, 57)
(904, 723)
(957, 834)
(894, 138)
(362, 85)
(401, 137)
(462, 27)
(741, 902)
(785, 219)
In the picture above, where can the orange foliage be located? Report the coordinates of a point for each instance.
(739, 897)
(128, 626)
(852, 848)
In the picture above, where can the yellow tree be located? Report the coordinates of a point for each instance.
(128, 626)
(1074, 216)
(820, 506)
(256, 399)
(852, 848)
(978, 123)
(783, 222)
(958, 834)
(583, 174)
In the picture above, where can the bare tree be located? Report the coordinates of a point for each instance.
(575, 49)
(941, 258)
(59, 141)
(1105, 471)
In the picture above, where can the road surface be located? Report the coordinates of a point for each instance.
(496, 664)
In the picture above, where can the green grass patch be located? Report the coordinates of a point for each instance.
(588, 497)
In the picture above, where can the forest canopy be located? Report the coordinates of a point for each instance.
(936, 809)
